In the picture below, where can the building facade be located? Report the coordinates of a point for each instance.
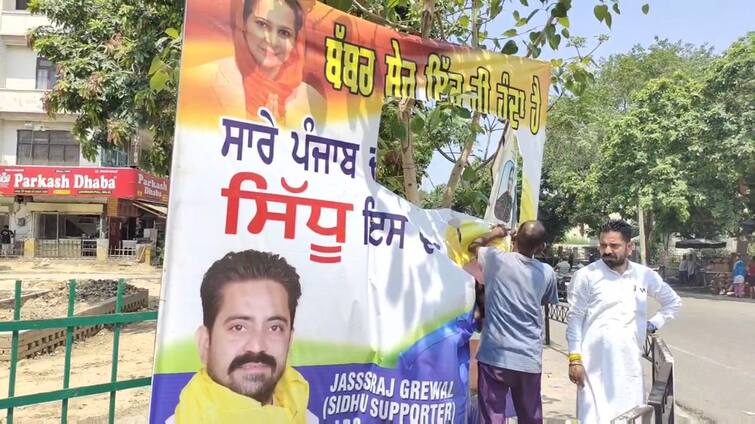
(57, 202)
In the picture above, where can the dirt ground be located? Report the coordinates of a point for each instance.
(91, 358)
(53, 302)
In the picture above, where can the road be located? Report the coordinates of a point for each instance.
(713, 343)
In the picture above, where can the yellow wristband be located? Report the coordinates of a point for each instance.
(575, 357)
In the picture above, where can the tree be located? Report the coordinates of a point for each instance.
(117, 70)
(683, 149)
(728, 96)
(578, 126)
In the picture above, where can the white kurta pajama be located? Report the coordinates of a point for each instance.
(607, 324)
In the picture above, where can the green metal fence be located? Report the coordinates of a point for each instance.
(71, 323)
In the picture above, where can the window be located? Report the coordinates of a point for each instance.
(46, 74)
(114, 157)
(22, 4)
(47, 148)
(51, 226)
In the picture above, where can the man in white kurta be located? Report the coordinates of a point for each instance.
(607, 324)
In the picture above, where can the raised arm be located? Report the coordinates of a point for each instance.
(498, 231)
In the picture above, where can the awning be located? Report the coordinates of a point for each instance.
(700, 244)
(159, 211)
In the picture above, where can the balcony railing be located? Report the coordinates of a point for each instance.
(19, 22)
(23, 101)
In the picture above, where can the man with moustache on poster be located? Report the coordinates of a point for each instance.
(249, 302)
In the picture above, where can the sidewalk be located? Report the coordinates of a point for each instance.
(559, 394)
(698, 292)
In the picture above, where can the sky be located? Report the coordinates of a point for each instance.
(716, 23)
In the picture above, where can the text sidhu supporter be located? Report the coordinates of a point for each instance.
(374, 388)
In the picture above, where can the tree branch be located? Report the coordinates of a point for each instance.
(487, 161)
(540, 37)
(561, 94)
(445, 155)
(501, 141)
(381, 20)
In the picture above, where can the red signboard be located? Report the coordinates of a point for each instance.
(123, 183)
(151, 188)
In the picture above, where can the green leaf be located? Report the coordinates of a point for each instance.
(565, 33)
(564, 22)
(608, 19)
(392, 4)
(510, 33)
(497, 44)
(417, 124)
(398, 129)
(532, 14)
(550, 30)
(495, 8)
(521, 22)
(468, 174)
(600, 11)
(645, 8)
(462, 112)
(554, 41)
(560, 11)
(515, 15)
(157, 64)
(524, 3)
(172, 33)
(342, 5)
(158, 81)
(510, 47)
(616, 8)
(534, 35)
(464, 21)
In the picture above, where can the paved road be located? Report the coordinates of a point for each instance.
(713, 343)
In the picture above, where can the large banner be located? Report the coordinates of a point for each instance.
(297, 289)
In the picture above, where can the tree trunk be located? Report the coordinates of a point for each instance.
(461, 163)
(458, 169)
(409, 167)
(406, 106)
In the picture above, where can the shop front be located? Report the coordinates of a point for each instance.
(74, 212)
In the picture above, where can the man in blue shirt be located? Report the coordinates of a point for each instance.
(510, 355)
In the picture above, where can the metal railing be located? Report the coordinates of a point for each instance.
(639, 414)
(124, 249)
(661, 396)
(12, 250)
(66, 248)
(660, 406)
(71, 324)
